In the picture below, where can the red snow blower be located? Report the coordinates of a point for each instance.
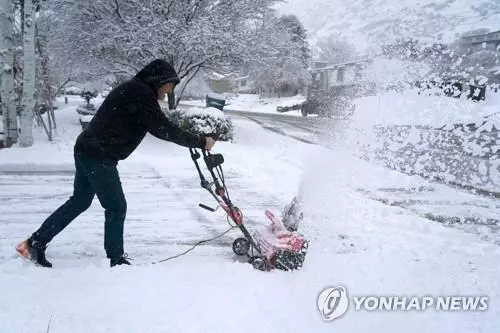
(277, 246)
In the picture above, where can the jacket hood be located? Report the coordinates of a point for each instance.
(157, 73)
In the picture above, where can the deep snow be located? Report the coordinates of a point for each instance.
(364, 244)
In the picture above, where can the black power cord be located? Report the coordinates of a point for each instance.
(220, 173)
(194, 246)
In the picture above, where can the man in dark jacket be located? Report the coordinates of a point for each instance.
(129, 112)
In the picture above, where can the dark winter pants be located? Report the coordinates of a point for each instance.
(93, 176)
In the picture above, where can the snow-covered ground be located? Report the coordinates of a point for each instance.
(252, 102)
(430, 135)
(362, 243)
(410, 108)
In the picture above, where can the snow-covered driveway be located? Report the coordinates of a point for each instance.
(365, 244)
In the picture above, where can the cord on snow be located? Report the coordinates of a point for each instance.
(195, 245)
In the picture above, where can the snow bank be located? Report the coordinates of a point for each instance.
(410, 108)
(453, 140)
(45, 152)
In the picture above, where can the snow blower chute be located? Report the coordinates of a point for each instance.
(276, 246)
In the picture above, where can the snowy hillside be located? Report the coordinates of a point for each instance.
(367, 22)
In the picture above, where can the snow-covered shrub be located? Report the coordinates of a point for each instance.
(86, 109)
(203, 121)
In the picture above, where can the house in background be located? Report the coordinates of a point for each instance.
(489, 40)
(243, 84)
(231, 83)
(219, 83)
(344, 76)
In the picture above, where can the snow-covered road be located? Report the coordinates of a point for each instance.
(357, 240)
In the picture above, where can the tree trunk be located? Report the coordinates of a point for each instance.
(28, 102)
(175, 102)
(8, 98)
(46, 90)
(172, 105)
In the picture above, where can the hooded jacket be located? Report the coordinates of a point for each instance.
(129, 112)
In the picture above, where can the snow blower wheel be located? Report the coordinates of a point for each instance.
(241, 246)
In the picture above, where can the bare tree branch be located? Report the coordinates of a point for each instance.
(185, 85)
(118, 11)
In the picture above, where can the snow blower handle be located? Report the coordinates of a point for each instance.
(212, 161)
(220, 194)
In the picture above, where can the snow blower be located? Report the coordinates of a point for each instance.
(278, 245)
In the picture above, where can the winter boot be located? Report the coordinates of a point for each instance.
(121, 260)
(34, 251)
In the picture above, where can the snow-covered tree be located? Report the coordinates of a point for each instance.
(7, 93)
(100, 37)
(403, 49)
(283, 63)
(459, 60)
(29, 75)
(334, 49)
(298, 38)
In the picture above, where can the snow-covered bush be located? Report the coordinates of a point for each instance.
(203, 121)
(86, 109)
